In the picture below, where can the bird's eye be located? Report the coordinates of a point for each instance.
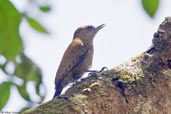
(90, 28)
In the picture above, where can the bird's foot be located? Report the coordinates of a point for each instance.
(94, 72)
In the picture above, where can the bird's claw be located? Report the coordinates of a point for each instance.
(103, 69)
(92, 72)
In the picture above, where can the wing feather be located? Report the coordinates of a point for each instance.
(71, 59)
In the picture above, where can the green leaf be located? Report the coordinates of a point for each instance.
(150, 6)
(36, 25)
(28, 71)
(23, 92)
(4, 93)
(45, 8)
(10, 40)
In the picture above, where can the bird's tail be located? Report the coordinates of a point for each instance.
(57, 92)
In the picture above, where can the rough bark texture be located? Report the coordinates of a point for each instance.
(139, 86)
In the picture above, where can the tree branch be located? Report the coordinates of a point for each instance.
(139, 86)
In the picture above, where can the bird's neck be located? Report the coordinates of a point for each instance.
(85, 42)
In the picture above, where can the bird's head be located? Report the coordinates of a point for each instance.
(88, 32)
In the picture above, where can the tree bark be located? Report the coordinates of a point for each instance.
(139, 86)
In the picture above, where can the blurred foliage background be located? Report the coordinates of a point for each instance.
(15, 65)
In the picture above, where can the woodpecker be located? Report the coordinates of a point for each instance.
(77, 58)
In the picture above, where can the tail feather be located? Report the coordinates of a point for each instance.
(57, 92)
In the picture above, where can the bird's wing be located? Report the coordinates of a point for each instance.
(74, 54)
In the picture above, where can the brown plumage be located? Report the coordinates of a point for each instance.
(77, 58)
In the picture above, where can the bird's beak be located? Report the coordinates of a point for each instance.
(100, 27)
